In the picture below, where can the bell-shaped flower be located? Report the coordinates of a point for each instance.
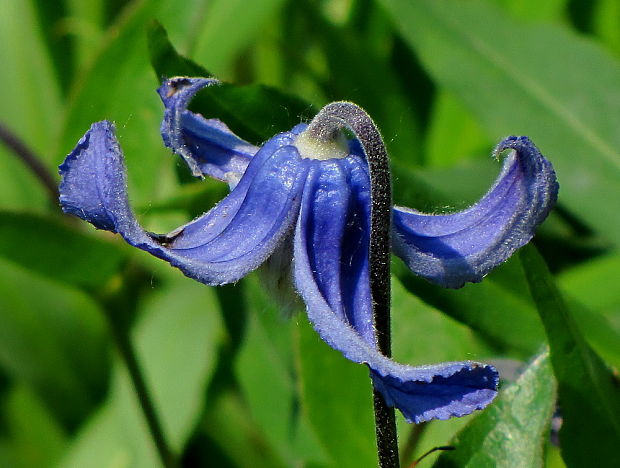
(294, 194)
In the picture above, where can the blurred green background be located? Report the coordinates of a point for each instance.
(236, 384)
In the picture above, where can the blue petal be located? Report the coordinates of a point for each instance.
(207, 145)
(331, 274)
(221, 246)
(452, 249)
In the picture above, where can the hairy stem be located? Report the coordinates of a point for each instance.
(325, 127)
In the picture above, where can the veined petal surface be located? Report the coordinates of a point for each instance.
(456, 248)
(208, 146)
(219, 247)
(331, 274)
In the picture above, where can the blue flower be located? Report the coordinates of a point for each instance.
(312, 200)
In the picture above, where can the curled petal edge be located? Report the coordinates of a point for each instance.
(461, 247)
(207, 146)
(420, 393)
(94, 188)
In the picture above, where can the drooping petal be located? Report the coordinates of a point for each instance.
(219, 247)
(456, 248)
(331, 274)
(208, 146)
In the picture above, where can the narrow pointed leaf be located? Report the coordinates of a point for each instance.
(589, 393)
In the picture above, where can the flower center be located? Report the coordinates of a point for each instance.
(313, 148)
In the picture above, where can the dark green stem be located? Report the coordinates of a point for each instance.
(325, 127)
(31, 161)
(128, 354)
(410, 445)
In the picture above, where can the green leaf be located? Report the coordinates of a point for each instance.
(228, 27)
(233, 437)
(348, 78)
(515, 78)
(535, 10)
(35, 438)
(176, 342)
(418, 327)
(50, 17)
(588, 391)
(31, 104)
(337, 396)
(594, 283)
(605, 21)
(453, 134)
(266, 355)
(495, 308)
(42, 244)
(118, 85)
(165, 60)
(513, 430)
(52, 338)
(255, 112)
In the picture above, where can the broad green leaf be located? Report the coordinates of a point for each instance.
(513, 430)
(265, 370)
(165, 60)
(337, 396)
(85, 22)
(605, 22)
(495, 308)
(594, 283)
(423, 335)
(35, 439)
(453, 134)
(51, 248)
(516, 78)
(228, 27)
(255, 112)
(176, 342)
(550, 10)
(51, 17)
(30, 97)
(52, 338)
(118, 85)
(588, 391)
(233, 440)
(30, 91)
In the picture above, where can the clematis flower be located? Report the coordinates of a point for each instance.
(295, 194)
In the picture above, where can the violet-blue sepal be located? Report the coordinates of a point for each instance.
(448, 249)
(452, 249)
(332, 275)
(283, 195)
(219, 247)
(208, 146)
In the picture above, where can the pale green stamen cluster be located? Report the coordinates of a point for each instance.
(312, 148)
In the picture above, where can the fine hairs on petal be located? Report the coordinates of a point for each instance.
(461, 247)
(284, 197)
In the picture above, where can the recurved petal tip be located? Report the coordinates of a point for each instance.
(461, 247)
(221, 246)
(207, 146)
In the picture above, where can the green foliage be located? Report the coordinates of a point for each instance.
(512, 432)
(236, 383)
(587, 388)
